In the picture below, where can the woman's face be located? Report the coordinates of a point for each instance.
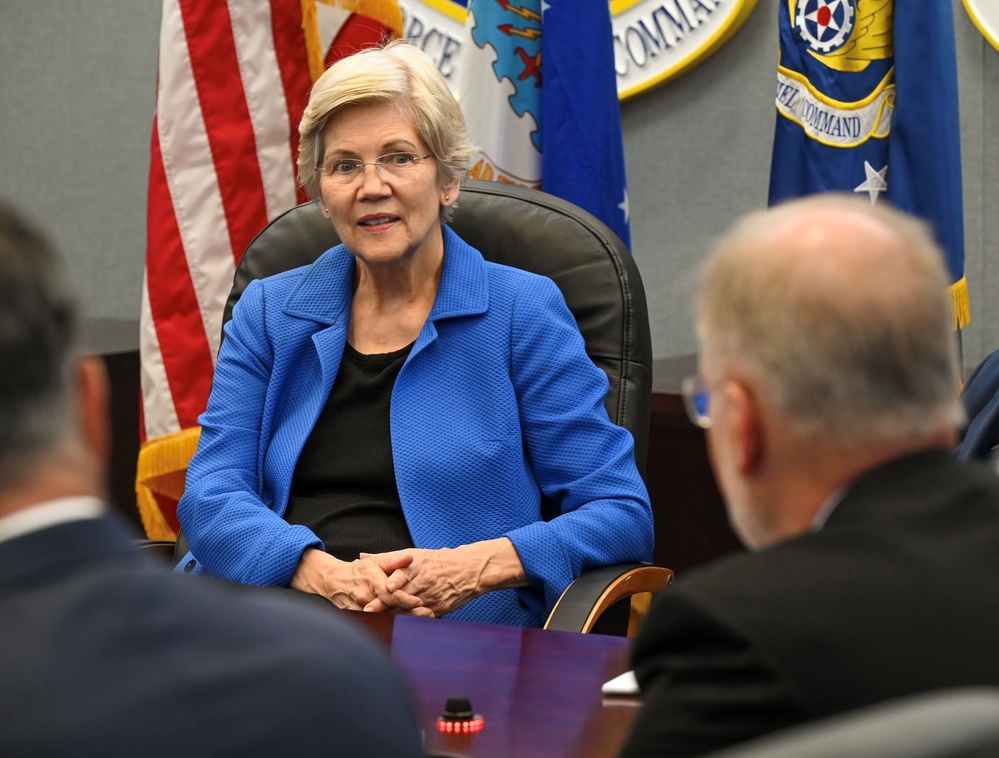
(383, 219)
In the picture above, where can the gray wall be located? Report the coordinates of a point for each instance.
(77, 95)
(77, 92)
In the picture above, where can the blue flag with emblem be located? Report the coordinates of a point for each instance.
(867, 103)
(539, 93)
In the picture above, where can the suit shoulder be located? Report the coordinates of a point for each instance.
(750, 584)
(312, 659)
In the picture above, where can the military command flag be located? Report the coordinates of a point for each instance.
(867, 103)
(234, 79)
(539, 93)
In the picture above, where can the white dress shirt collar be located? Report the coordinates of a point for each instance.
(50, 513)
(822, 514)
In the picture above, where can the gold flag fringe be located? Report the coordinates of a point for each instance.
(959, 302)
(162, 470)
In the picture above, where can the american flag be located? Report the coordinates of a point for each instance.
(234, 78)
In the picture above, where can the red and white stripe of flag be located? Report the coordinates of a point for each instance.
(234, 78)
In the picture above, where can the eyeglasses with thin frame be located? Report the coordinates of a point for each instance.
(347, 170)
(695, 400)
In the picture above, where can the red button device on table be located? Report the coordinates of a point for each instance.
(458, 717)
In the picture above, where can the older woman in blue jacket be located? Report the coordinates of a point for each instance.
(384, 422)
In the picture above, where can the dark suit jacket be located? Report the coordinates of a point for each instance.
(102, 652)
(896, 594)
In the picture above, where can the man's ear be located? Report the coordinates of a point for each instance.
(746, 427)
(93, 407)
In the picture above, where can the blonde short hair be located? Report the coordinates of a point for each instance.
(398, 73)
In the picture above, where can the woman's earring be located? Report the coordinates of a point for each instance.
(446, 198)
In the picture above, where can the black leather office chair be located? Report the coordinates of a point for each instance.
(948, 723)
(980, 439)
(602, 287)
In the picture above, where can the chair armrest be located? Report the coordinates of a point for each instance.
(593, 592)
(162, 550)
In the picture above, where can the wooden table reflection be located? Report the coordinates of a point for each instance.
(539, 691)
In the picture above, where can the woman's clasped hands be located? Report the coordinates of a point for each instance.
(414, 581)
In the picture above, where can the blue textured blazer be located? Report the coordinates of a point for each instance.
(496, 404)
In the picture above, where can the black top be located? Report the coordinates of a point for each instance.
(344, 487)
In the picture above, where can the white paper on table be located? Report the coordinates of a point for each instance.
(625, 684)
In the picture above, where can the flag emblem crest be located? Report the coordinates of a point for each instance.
(836, 76)
(825, 25)
(514, 33)
(847, 35)
(500, 90)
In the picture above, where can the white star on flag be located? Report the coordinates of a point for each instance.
(875, 183)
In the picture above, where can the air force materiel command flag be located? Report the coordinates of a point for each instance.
(867, 103)
(539, 93)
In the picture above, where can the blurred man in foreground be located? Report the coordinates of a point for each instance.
(105, 653)
(828, 386)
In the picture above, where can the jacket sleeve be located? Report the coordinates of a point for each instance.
(705, 684)
(580, 459)
(225, 512)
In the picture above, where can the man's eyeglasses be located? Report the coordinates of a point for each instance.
(695, 400)
(346, 170)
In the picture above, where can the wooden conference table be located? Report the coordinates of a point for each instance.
(538, 691)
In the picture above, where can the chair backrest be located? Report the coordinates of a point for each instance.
(949, 723)
(981, 401)
(530, 230)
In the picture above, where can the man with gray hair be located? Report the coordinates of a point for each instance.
(829, 391)
(105, 653)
